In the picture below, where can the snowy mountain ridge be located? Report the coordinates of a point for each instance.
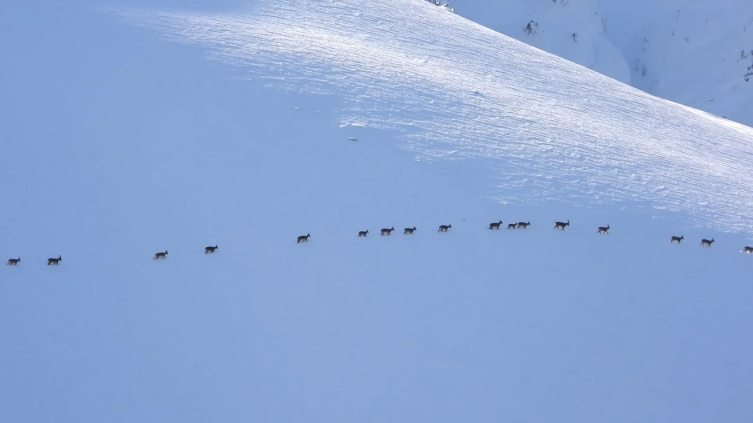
(461, 91)
(694, 52)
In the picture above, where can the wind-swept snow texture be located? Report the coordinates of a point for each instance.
(550, 129)
(117, 145)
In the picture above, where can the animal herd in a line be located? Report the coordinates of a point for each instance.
(602, 230)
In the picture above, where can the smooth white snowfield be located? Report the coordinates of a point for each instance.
(117, 145)
(694, 52)
(554, 129)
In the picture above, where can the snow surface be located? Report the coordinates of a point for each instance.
(693, 52)
(554, 130)
(118, 145)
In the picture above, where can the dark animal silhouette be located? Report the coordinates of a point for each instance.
(13, 262)
(561, 225)
(386, 231)
(210, 250)
(303, 238)
(677, 239)
(54, 261)
(523, 225)
(444, 228)
(706, 242)
(363, 233)
(603, 230)
(158, 256)
(495, 225)
(409, 231)
(511, 226)
(746, 250)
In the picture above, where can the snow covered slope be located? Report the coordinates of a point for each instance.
(696, 53)
(574, 30)
(117, 144)
(552, 129)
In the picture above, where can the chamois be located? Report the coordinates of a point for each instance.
(303, 238)
(444, 228)
(363, 233)
(523, 225)
(158, 256)
(495, 225)
(677, 239)
(386, 231)
(706, 242)
(54, 261)
(511, 226)
(561, 225)
(210, 250)
(409, 231)
(746, 250)
(13, 262)
(603, 230)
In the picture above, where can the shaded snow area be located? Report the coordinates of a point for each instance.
(329, 118)
(576, 30)
(694, 52)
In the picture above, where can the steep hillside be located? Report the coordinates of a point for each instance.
(695, 53)
(549, 128)
(120, 144)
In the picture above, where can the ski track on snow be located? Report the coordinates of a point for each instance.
(548, 128)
